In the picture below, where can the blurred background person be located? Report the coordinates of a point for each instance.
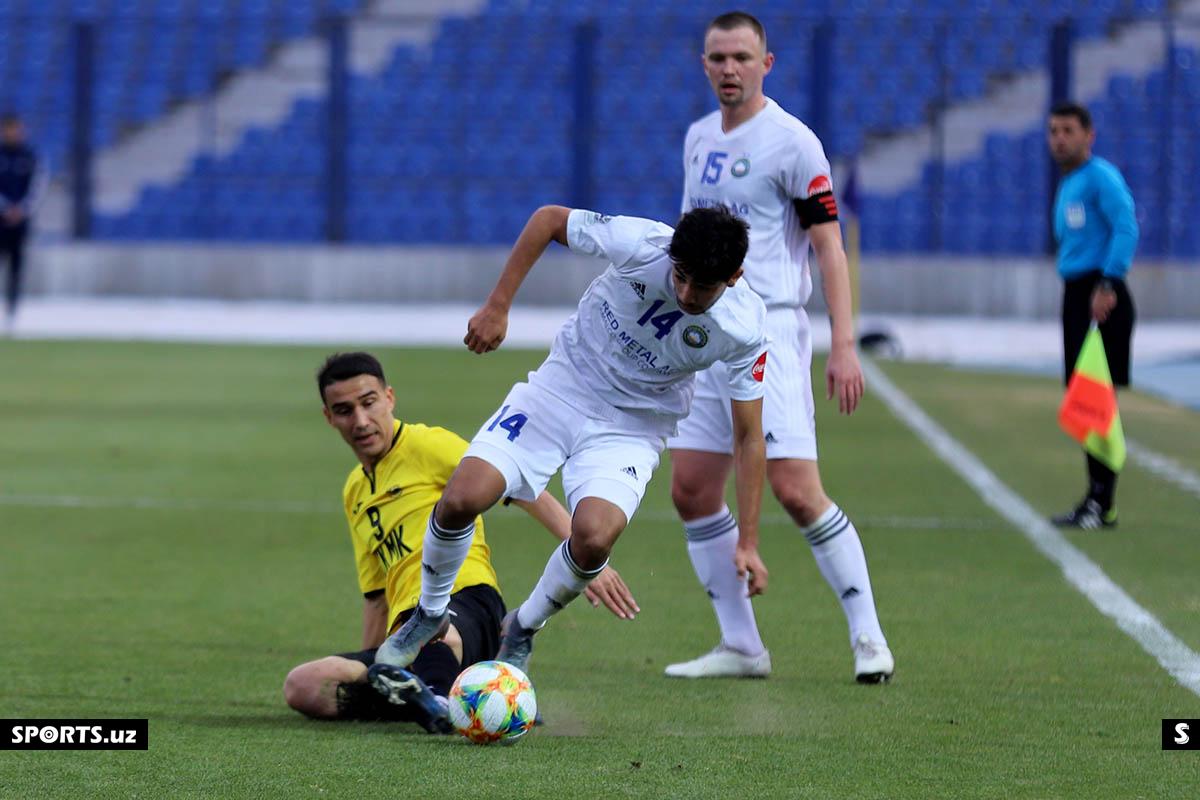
(18, 178)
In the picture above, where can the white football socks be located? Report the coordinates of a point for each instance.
(562, 581)
(442, 556)
(840, 557)
(712, 543)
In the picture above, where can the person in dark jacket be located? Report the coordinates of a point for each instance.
(18, 167)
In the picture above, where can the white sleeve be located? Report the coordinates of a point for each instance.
(620, 240)
(747, 371)
(808, 170)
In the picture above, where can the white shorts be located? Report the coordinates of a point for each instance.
(533, 433)
(789, 422)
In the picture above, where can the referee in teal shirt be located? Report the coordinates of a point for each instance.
(1097, 232)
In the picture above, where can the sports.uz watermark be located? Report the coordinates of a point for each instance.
(74, 734)
(1181, 734)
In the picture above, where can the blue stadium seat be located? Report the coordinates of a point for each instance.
(430, 168)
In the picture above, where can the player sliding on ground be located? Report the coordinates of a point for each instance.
(619, 377)
(387, 499)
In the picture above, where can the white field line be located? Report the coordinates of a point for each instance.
(333, 507)
(1164, 467)
(1180, 661)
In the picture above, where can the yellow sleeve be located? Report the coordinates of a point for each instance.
(442, 451)
(371, 576)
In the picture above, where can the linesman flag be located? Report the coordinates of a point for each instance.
(1089, 408)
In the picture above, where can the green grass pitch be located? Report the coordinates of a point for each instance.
(171, 544)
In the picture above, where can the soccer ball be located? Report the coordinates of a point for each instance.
(492, 702)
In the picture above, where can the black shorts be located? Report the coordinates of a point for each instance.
(476, 612)
(1117, 330)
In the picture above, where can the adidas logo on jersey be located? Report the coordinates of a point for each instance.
(638, 287)
(630, 471)
(770, 438)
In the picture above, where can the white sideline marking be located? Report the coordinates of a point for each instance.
(1164, 467)
(334, 507)
(1180, 661)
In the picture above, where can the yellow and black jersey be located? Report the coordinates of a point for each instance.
(388, 509)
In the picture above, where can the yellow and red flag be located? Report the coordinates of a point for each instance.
(1088, 412)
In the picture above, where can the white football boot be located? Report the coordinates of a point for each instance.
(873, 662)
(722, 662)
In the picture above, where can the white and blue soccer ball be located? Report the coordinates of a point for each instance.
(492, 701)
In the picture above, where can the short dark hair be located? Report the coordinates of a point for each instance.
(1070, 108)
(739, 19)
(710, 244)
(344, 366)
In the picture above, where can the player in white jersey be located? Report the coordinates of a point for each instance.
(617, 381)
(770, 169)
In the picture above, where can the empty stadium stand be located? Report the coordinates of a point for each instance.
(459, 141)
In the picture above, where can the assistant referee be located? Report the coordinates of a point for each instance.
(1096, 232)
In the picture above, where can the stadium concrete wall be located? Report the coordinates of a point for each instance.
(943, 285)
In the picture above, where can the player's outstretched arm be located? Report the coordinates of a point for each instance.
(487, 329)
(375, 613)
(843, 373)
(750, 467)
(608, 587)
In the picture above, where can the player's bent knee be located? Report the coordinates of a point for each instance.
(474, 487)
(796, 483)
(697, 491)
(589, 553)
(301, 687)
(694, 500)
(593, 536)
(803, 507)
(311, 687)
(458, 507)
